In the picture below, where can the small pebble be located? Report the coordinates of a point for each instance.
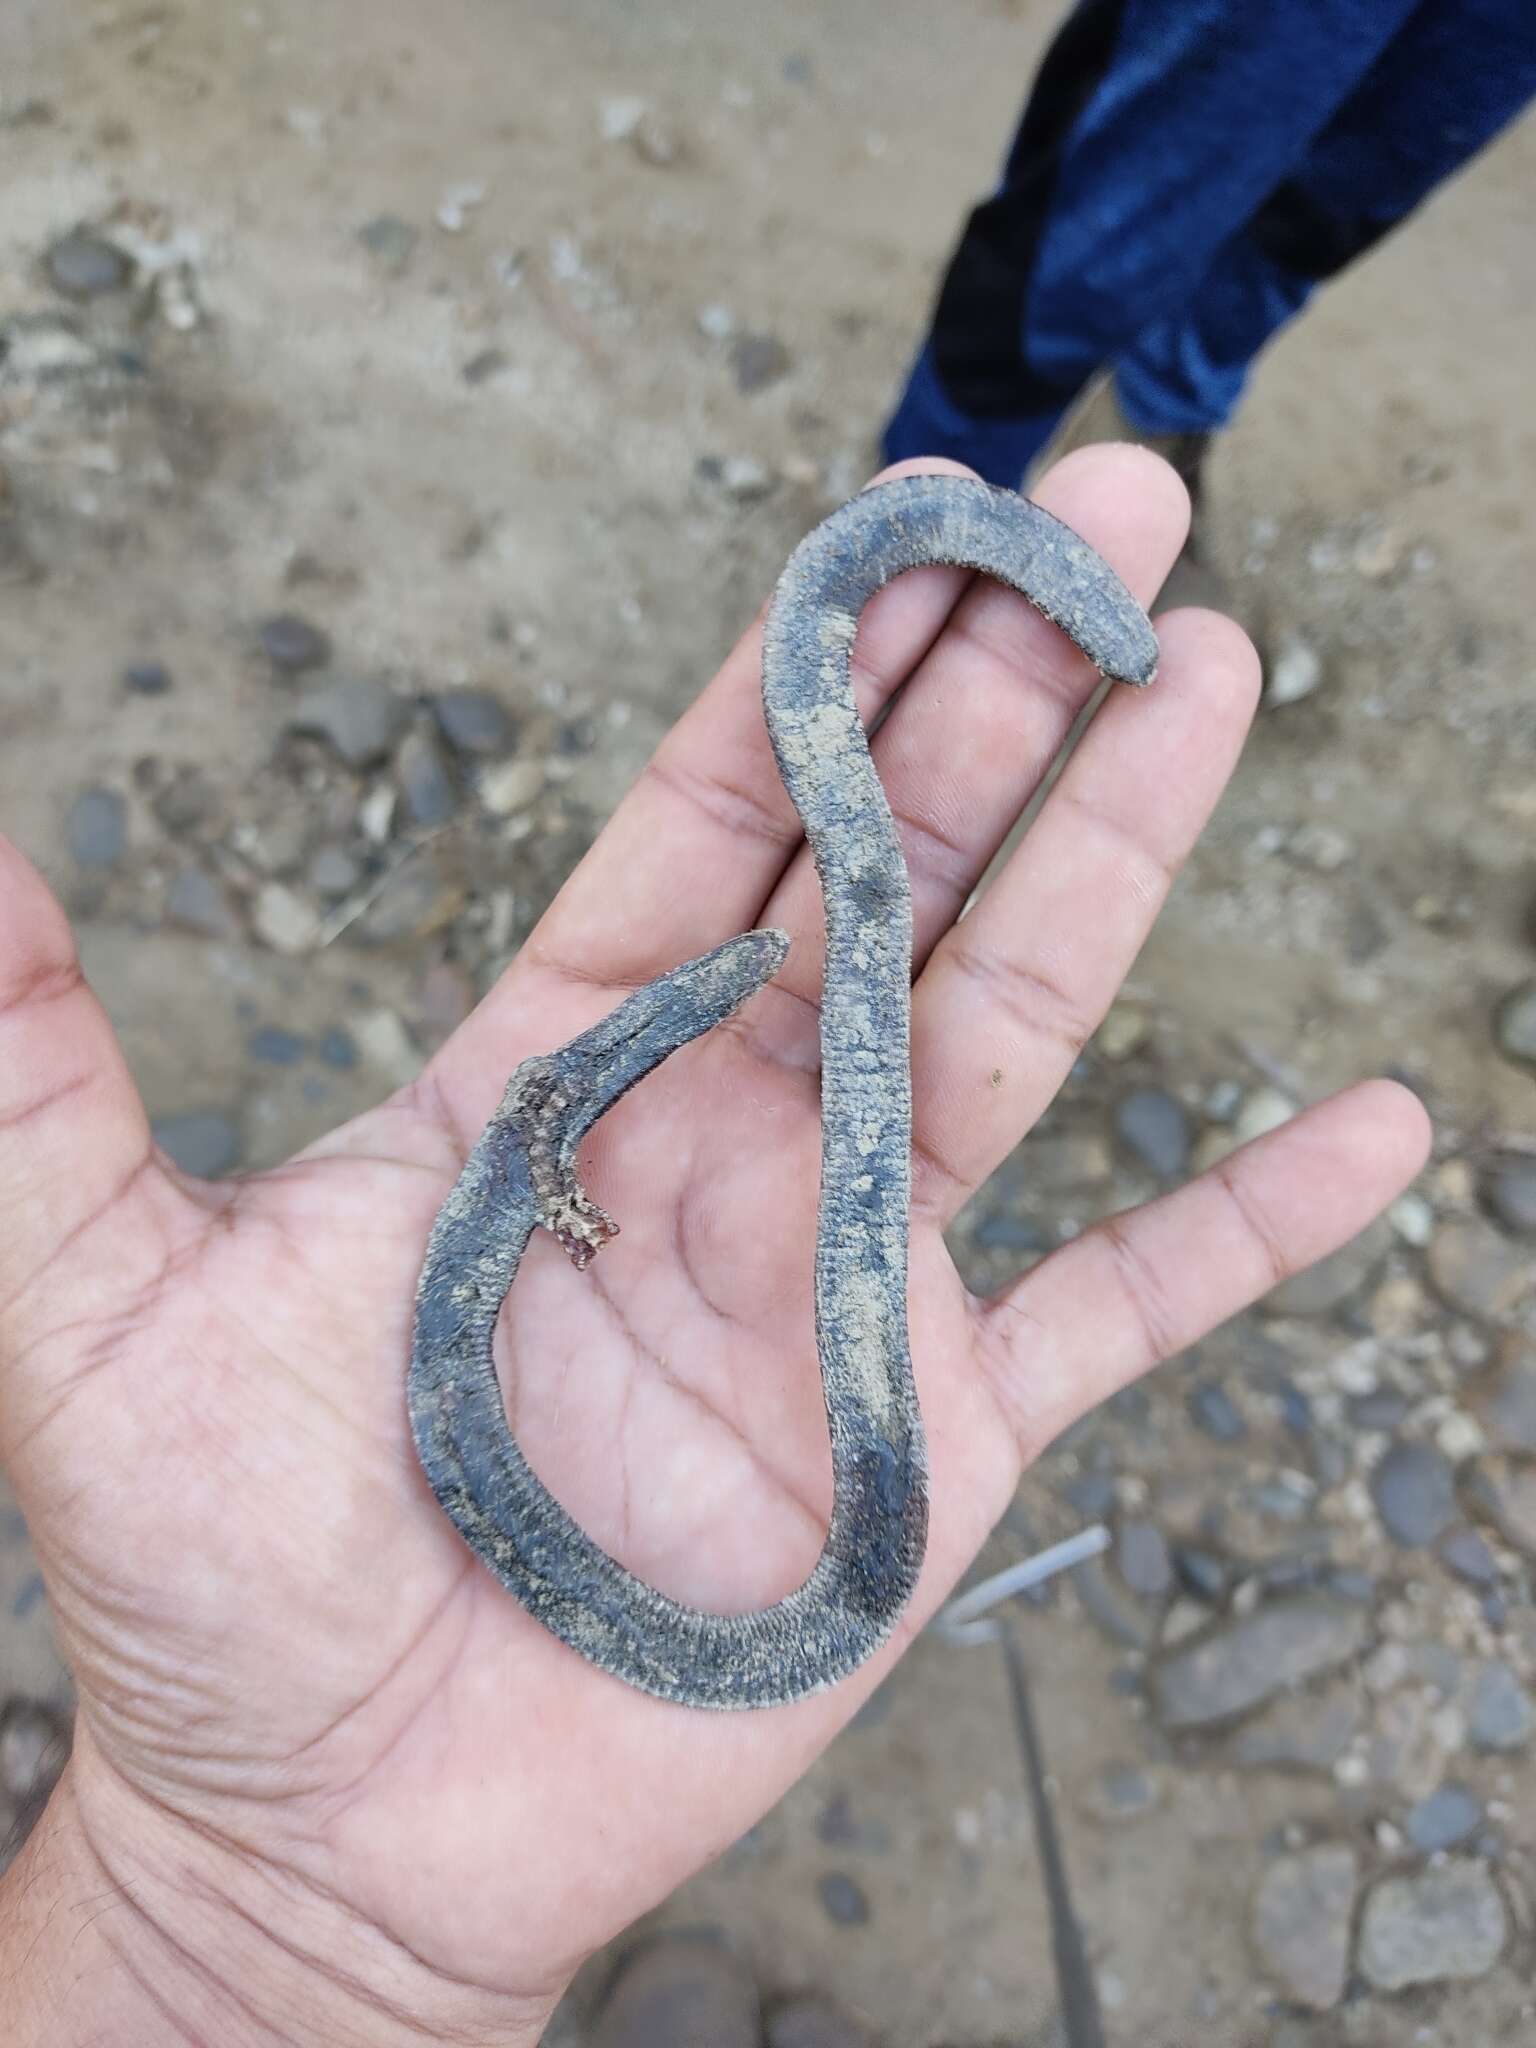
(474, 722)
(98, 828)
(510, 786)
(203, 1142)
(1475, 1269)
(196, 903)
(843, 1900)
(360, 717)
(1263, 1110)
(1294, 673)
(292, 644)
(1123, 1031)
(1202, 1572)
(1251, 1659)
(284, 920)
(333, 872)
(1510, 1192)
(1155, 1129)
(1515, 1023)
(1507, 1407)
(275, 1047)
(1005, 1230)
(1328, 1285)
(147, 678)
(1413, 1219)
(338, 1049)
(1414, 1489)
(1141, 1556)
(1447, 1816)
(1213, 1410)
(83, 265)
(390, 241)
(1500, 1715)
(426, 782)
(1301, 1918)
(34, 1744)
(758, 360)
(1463, 1552)
(1091, 1493)
(1444, 1924)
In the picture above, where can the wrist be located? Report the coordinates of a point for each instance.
(121, 1926)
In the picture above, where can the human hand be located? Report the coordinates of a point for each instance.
(331, 1782)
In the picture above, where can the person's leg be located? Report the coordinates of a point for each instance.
(1458, 71)
(1155, 129)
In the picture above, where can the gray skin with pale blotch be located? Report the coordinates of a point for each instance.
(522, 1173)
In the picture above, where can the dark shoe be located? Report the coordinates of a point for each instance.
(1194, 577)
(681, 1991)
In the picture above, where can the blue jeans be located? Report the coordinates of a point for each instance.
(1185, 175)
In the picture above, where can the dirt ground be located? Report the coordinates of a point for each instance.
(513, 347)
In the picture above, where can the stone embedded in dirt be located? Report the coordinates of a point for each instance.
(338, 1049)
(147, 678)
(1301, 1922)
(1123, 1030)
(275, 1047)
(1006, 1230)
(1293, 673)
(1261, 1111)
(1414, 1488)
(390, 241)
(843, 1900)
(1440, 1925)
(1515, 1023)
(1322, 1288)
(1476, 1269)
(1499, 1714)
(1510, 1192)
(1308, 1732)
(1250, 1660)
(1213, 1410)
(98, 828)
(284, 920)
(840, 1828)
(196, 903)
(1124, 1792)
(1413, 1219)
(510, 786)
(1142, 1557)
(1154, 1128)
(1118, 1618)
(83, 265)
(333, 872)
(1464, 1553)
(185, 802)
(1447, 1816)
(474, 722)
(1382, 1409)
(426, 781)
(758, 361)
(416, 900)
(813, 2023)
(1505, 1494)
(1202, 1572)
(204, 1142)
(360, 717)
(292, 644)
(1507, 1407)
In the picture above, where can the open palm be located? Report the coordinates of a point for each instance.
(301, 1699)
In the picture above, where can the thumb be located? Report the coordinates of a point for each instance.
(79, 1174)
